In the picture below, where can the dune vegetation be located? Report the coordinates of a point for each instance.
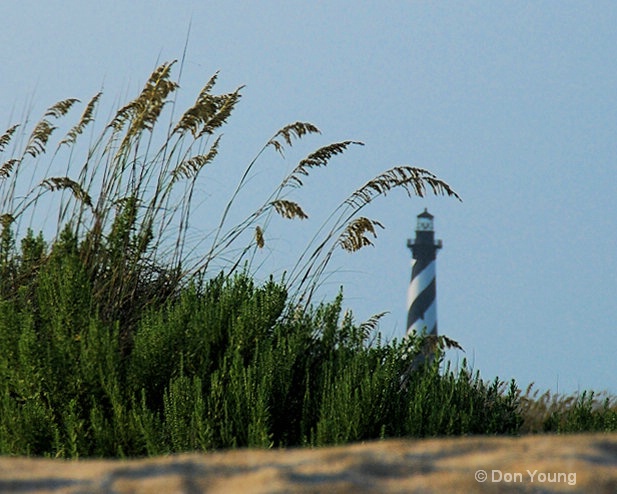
(121, 337)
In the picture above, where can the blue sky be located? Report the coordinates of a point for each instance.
(514, 104)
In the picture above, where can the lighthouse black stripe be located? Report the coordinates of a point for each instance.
(420, 264)
(419, 281)
(427, 324)
(421, 303)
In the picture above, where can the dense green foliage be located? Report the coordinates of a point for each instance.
(224, 363)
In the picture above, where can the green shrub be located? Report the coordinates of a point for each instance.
(227, 364)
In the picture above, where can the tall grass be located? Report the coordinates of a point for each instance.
(128, 199)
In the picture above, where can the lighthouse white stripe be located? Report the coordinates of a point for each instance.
(420, 282)
(427, 323)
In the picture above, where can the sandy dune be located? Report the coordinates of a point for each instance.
(547, 464)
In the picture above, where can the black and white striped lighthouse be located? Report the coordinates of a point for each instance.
(421, 296)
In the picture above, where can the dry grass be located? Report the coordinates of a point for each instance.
(554, 412)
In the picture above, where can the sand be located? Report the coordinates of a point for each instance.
(541, 463)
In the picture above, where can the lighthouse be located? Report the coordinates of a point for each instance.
(422, 293)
